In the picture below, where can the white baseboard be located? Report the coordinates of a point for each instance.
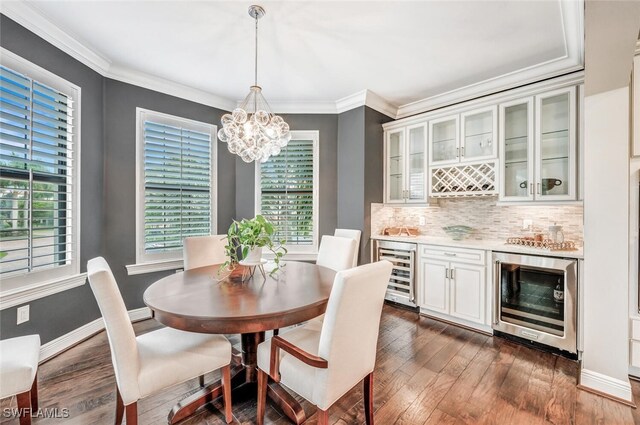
(606, 384)
(68, 340)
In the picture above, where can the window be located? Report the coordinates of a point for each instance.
(286, 192)
(176, 186)
(39, 169)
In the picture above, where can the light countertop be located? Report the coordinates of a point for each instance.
(485, 244)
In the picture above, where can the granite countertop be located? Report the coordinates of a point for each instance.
(485, 244)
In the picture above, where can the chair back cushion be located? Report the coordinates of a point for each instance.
(122, 339)
(349, 334)
(336, 253)
(200, 251)
(352, 234)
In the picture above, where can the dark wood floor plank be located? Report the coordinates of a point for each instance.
(427, 372)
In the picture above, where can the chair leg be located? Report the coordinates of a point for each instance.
(34, 394)
(119, 407)
(24, 407)
(368, 399)
(323, 417)
(263, 379)
(226, 393)
(132, 413)
(201, 380)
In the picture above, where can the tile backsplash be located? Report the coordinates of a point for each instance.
(489, 220)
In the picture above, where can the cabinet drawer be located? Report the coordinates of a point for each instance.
(460, 255)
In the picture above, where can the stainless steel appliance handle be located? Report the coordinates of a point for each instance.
(496, 296)
(412, 277)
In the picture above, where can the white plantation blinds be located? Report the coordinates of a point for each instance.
(36, 168)
(177, 183)
(287, 184)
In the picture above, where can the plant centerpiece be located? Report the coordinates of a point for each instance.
(248, 237)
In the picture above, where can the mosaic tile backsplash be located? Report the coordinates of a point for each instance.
(489, 220)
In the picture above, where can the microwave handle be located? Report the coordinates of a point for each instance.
(496, 296)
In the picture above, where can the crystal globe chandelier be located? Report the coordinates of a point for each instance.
(252, 131)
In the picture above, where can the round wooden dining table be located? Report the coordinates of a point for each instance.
(216, 301)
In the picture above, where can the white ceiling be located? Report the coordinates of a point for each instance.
(319, 52)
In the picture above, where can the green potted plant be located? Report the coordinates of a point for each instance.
(248, 237)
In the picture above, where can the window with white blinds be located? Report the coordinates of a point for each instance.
(287, 192)
(176, 182)
(38, 166)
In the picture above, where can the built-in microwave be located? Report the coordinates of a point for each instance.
(535, 299)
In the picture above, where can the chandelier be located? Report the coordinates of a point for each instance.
(252, 131)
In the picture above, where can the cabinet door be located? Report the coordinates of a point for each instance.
(516, 150)
(478, 134)
(468, 285)
(556, 145)
(395, 166)
(416, 163)
(444, 145)
(434, 293)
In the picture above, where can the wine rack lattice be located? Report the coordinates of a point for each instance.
(464, 180)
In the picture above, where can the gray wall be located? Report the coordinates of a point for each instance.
(121, 100)
(327, 125)
(56, 315)
(360, 171)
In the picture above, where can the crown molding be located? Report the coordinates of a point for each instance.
(301, 107)
(381, 104)
(27, 16)
(572, 15)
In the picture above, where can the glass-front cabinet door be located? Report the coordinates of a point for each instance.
(416, 183)
(395, 159)
(516, 150)
(444, 141)
(556, 145)
(478, 134)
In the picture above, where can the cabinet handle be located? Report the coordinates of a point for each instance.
(446, 273)
(457, 152)
(451, 275)
(450, 254)
(538, 188)
(462, 151)
(530, 188)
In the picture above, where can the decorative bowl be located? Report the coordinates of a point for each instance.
(458, 232)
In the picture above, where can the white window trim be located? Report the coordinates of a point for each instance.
(27, 287)
(299, 252)
(170, 260)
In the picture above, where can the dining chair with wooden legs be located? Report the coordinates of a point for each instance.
(323, 364)
(146, 364)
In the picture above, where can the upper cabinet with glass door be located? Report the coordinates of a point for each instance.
(467, 137)
(556, 145)
(406, 159)
(539, 162)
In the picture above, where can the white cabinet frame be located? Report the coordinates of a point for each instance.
(494, 129)
(405, 134)
(432, 123)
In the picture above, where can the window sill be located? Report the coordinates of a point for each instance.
(154, 266)
(17, 296)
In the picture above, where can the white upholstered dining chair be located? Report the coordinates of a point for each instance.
(351, 234)
(336, 252)
(323, 363)
(149, 363)
(19, 373)
(200, 251)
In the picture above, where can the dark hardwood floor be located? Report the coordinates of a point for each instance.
(427, 372)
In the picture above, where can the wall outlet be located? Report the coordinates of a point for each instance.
(422, 221)
(527, 224)
(23, 314)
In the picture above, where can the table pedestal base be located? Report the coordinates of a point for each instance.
(243, 386)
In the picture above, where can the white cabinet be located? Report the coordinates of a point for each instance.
(406, 165)
(466, 137)
(453, 282)
(538, 147)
